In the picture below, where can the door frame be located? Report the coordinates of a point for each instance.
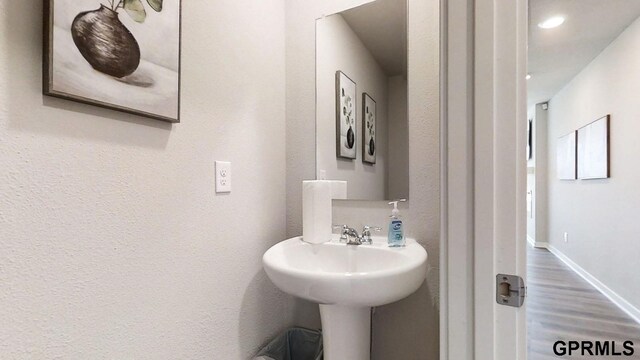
(483, 93)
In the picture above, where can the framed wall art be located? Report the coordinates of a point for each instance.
(368, 129)
(346, 129)
(117, 54)
(593, 150)
(566, 157)
(530, 139)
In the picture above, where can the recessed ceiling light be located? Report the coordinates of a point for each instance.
(550, 23)
(528, 76)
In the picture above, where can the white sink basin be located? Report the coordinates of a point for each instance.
(334, 273)
(346, 280)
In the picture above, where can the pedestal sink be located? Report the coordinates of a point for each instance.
(346, 280)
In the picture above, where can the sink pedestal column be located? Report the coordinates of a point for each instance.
(346, 332)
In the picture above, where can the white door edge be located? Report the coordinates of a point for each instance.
(484, 91)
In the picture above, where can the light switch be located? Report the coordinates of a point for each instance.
(223, 177)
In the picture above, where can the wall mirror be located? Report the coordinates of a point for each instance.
(361, 100)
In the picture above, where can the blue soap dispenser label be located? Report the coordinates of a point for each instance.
(396, 229)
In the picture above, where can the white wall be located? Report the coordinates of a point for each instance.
(407, 329)
(339, 48)
(112, 241)
(601, 216)
(531, 191)
(398, 158)
(537, 178)
(540, 154)
(531, 186)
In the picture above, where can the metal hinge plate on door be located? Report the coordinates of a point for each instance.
(510, 290)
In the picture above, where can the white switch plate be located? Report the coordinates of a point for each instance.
(223, 177)
(566, 237)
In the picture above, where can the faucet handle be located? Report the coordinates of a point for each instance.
(366, 233)
(343, 232)
(371, 228)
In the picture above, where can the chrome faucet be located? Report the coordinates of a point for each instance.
(366, 233)
(350, 235)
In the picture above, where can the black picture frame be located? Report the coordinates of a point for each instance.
(530, 140)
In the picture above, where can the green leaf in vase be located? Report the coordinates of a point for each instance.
(155, 5)
(135, 9)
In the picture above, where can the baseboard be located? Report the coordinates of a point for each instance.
(618, 300)
(538, 244)
(531, 241)
(542, 245)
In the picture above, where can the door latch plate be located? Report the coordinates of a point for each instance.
(510, 290)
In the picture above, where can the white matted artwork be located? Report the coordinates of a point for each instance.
(566, 157)
(368, 129)
(117, 54)
(346, 129)
(593, 150)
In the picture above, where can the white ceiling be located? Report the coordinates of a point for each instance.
(382, 27)
(557, 55)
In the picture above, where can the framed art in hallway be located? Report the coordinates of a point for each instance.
(346, 129)
(593, 150)
(368, 129)
(117, 54)
(530, 139)
(566, 157)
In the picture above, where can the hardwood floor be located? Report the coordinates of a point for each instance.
(563, 306)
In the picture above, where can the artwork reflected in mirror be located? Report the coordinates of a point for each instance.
(362, 127)
(118, 54)
(369, 127)
(345, 116)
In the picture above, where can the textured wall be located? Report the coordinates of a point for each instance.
(601, 216)
(407, 329)
(398, 175)
(112, 242)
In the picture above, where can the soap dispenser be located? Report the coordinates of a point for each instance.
(396, 228)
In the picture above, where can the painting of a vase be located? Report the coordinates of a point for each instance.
(346, 129)
(368, 129)
(105, 42)
(117, 54)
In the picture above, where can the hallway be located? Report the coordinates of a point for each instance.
(563, 306)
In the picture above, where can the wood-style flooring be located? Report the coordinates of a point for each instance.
(563, 306)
